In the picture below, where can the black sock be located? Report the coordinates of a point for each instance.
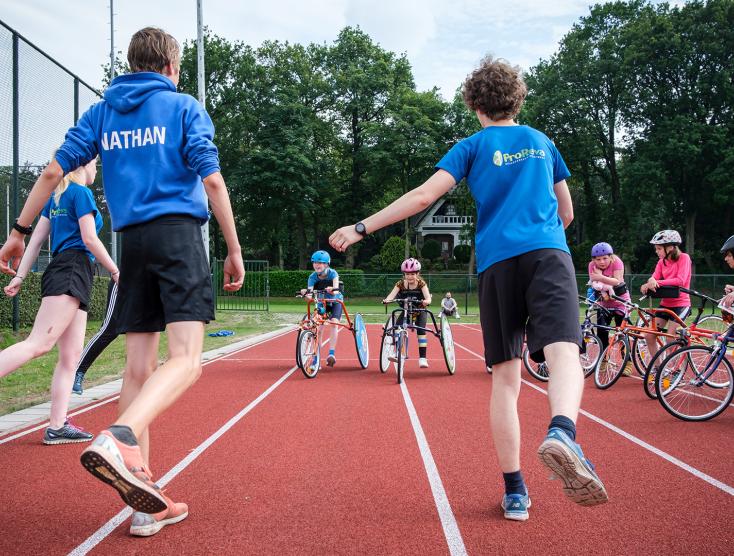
(565, 424)
(124, 434)
(514, 483)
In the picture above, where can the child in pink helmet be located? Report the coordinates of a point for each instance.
(412, 285)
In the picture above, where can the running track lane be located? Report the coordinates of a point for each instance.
(653, 504)
(317, 466)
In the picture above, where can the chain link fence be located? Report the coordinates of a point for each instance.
(39, 100)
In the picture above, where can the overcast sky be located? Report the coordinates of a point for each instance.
(443, 39)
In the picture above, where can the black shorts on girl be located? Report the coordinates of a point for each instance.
(533, 293)
(164, 275)
(70, 272)
(682, 312)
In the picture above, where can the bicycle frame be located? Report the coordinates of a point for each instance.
(315, 319)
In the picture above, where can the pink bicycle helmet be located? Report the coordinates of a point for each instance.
(410, 265)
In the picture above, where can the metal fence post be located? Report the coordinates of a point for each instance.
(16, 157)
(466, 295)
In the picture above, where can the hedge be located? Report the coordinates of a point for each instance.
(285, 283)
(30, 300)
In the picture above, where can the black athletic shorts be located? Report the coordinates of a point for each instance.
(164, 275)
(70, 273)
(682, 312)
(533, 293)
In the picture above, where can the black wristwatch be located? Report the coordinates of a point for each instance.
(26, 231)
(360, 229)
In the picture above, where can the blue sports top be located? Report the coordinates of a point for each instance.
(511, 171)
(75, 202)
(323, 281)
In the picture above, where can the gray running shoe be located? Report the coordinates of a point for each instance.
(67, 434)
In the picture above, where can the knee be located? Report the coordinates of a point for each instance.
(41, 347)
(139, 372)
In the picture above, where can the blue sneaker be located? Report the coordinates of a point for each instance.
(516, 506)
(565, 459)
(77, 386)
(331, 360)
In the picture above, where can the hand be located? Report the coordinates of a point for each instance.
(12, 289)
(329, 289)
(13, 248)
(728, 288)
(303, 291)
(597, 277)
(643, 289)
(386, 301)
(234, 272)
(425, 302)
(652, 284)
(343, 238)
(728, 300)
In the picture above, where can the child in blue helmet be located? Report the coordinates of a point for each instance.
(326, 278)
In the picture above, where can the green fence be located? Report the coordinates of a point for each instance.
(255, 292)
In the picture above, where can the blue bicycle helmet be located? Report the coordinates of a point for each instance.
(321, 257)
(601, 249)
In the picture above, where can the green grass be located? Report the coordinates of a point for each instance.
(31, 384)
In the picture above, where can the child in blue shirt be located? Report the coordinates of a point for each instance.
(526, 277)
(326, 278)
(73, 222)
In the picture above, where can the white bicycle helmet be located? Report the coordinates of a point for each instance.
(666, 237)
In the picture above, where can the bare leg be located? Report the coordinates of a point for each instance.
(566, 380)
(504, 420)
(52, 319)
(70, 345)
(170, 380)
(333, 334)
(142, 361)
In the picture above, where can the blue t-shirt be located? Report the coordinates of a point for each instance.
(323, 281)
(75, 202)
(511, 171)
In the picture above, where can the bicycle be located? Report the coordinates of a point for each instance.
(308, 343)
(696, 332)
(695, 382)
(395, 337)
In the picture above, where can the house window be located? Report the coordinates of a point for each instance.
(444, 246)
(450, 210)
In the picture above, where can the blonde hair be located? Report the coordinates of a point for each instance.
(73, 176)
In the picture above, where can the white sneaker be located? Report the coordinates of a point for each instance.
(423, 362)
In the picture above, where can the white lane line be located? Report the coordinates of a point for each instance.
(666, 456)
(445, 513)
(99, 535)
(115, 397)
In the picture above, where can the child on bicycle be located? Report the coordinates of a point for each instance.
(412, 285)
(326, 278)
(606, 272)
(673, 269)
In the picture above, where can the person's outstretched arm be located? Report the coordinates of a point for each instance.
(15, 244)
(38, 238)
(413, 202)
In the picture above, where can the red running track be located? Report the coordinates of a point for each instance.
(332, 466)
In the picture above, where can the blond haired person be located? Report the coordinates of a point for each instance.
(72, 220)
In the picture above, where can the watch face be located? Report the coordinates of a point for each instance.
(359, 227)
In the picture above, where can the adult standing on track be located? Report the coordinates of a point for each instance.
(157, 149)
(73, 221)
(526, 276)
(103, 338)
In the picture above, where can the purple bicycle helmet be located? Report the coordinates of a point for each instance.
(601, 249)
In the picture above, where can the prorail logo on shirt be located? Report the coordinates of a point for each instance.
(501, 158)
(56, 212)
(131, 138)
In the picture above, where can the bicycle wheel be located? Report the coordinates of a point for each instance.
(447, 343)
(591, 353)
(714, 323)
(612, 362)
(691, 386)
(308, 353)
(361, 342)
(648, 381)
(387, 350)
(401, 354)
(538, 371)
(642, 354)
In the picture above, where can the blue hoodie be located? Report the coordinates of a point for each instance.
(156, 146)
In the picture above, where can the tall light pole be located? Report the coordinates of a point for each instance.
(113, 234)
(200, 81)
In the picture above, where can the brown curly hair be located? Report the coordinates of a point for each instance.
(495, 88)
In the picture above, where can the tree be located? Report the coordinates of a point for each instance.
(392, 253)
(431, 249)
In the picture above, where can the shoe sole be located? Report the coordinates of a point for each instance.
(101, 462)
(153, 528)
(517, 516)
(66, 441)
(581, 486)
